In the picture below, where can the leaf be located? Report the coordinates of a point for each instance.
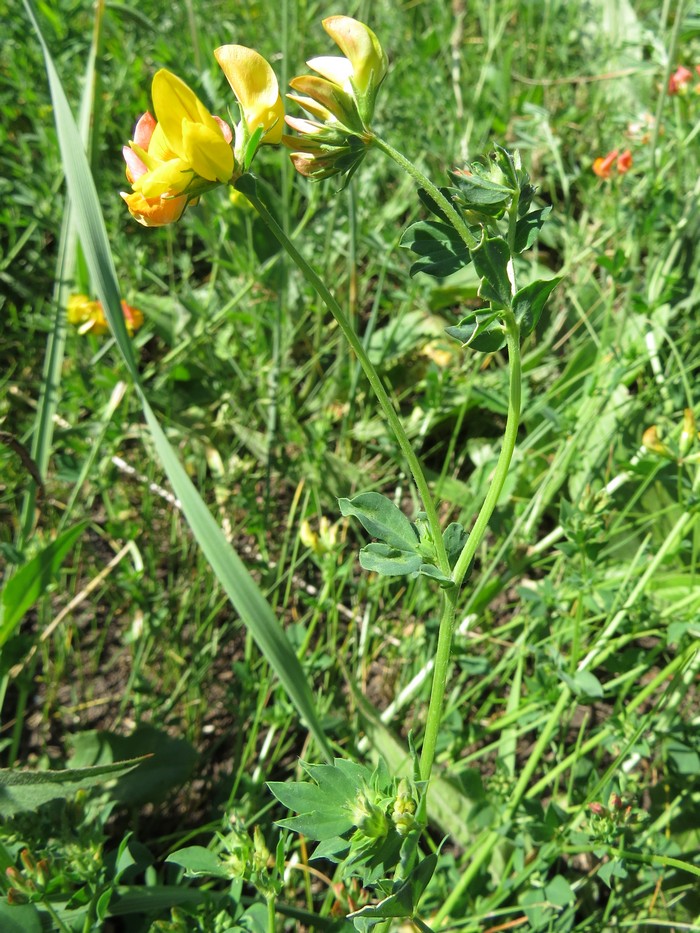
(454, 538)
(33, 579)
(559, 892)
(529, 302)
(440, 247)
(22, 791)
(430, 570)
(169, 763)
(325, 803)
(584, 683)
(196, 860)
(433, 206)
(382, 519)
(527, 228)
(254, 610)
(404, 901)
(19, 918)
(389, 561)
(480, 193)
(491, 262)
(479, 330)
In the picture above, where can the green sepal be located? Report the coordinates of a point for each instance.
(252, 147)
(382, 519)
(480, 330)
(441, 249)
(491, 262)
(529, 302)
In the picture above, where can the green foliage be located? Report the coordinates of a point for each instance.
(567, 760)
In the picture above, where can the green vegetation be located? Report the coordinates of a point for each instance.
(214, 715)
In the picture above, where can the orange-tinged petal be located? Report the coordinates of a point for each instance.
(154, 212)
(255, 85)
(144, 130)
(173, 102)
(207, 152)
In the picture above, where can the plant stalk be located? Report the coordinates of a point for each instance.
(380, 392)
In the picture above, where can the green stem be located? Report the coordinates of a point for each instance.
(271, 915)
(447, 618)
(443, 203)
(380, 392)
(509, 439)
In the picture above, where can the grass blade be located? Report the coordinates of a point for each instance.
(232, 574)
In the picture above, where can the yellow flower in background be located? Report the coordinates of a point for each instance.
(89, 317)
(255, 85)
(175, 156)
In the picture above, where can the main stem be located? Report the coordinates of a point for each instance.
(450, 596)
(458, 222)
(380, 392)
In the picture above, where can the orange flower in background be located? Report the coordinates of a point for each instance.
(679, 80)
(89, 316)
(624, 162)
(603, 165)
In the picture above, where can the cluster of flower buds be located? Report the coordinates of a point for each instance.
(679, 82)
(339, 99)
(617, 813)
(89, 316)
(29, 884)
(620, 161)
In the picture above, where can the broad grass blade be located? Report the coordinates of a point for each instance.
(232, 574)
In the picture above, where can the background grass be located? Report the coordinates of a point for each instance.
(593, 554)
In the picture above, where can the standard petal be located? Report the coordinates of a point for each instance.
(360, 45)
(207, 152)
(255, 85)
(173, 102)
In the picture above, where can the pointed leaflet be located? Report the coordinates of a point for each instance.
(491, 262)
(440, 247)
(382, 519)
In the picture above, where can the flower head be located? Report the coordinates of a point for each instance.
(175, 156)
(679, 80)
(603, 165)
(340, 101)
(89, 316)
(624, 162)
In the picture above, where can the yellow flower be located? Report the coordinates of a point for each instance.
(340, 100)
(178, 155)
(364, 66)
(89, 317)
(254, 83)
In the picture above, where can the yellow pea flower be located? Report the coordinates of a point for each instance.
(255, 85)
(89, 317)
(175, 156)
